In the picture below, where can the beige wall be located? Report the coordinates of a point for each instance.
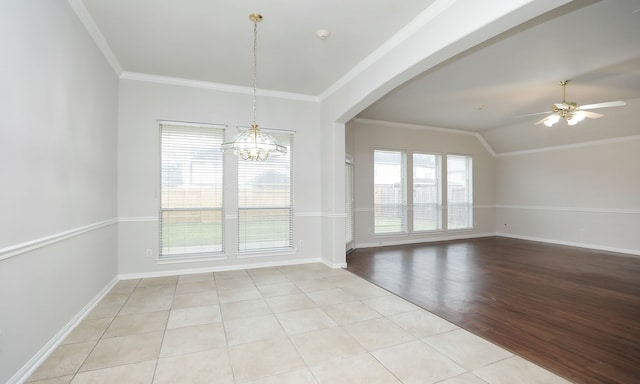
(585, 196)
(364, 136)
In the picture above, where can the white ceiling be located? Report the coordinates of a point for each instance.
(595, 44)
(212, 40)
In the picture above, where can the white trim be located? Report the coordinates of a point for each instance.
(97, 36)
(137, 219)
(477, 135)
(572, 209)
(414, 126)
(334, 215)
(27, 370)
(462, 234)
(479, 206)
(192, 124)
(571, 146)
(308, 214)
(264, 253)
(634, 252)
(334, 265)
(227, 217)
(18, 249)
(215, 86)
(186, 259)
(485, 144)
(222, 268)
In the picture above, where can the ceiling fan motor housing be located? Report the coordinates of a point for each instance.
(565, 109)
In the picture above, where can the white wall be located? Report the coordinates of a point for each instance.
(586, 196)
(58, 103)
(438, 34)
(142, 104)
(368, 135)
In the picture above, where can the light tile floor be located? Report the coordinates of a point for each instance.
(295, 324)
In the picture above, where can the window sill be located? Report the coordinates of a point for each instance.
(274, 253)
(189, 259)
(387, 235)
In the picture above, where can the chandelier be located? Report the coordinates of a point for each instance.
(253, 144)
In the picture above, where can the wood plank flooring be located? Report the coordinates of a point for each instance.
(571, 310)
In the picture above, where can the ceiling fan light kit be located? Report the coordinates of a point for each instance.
(571, 112)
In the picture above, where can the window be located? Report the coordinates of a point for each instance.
(459, 192)
(390, 202)
(265, 201)
(191, 215)
(427, 208)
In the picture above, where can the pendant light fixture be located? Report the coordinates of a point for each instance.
(253, 144)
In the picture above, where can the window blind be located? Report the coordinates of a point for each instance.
(191, 191)
(390, 202)
(427, 201)
(265, 200)
(459, 192)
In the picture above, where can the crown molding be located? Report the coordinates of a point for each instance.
(430, 128)
(97, 36)
(571, 146)
(168, 80)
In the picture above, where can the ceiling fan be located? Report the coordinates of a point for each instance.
(570, 111)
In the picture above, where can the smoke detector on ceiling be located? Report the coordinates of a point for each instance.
(322, 34)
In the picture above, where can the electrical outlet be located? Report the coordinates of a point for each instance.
(148, 253)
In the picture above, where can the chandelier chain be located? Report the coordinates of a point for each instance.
(253, 144)
(255, 67)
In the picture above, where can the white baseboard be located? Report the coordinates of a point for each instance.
(633, 252)
(334, 265)
(27, 370)
(144, 275)
(416, 240)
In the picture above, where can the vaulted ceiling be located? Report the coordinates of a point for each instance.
(594, 44)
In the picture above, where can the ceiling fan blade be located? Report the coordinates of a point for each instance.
(592, 115)
(542, 120)
(618, 103)
(531, 114)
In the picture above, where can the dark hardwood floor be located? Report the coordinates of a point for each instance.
(571, 310)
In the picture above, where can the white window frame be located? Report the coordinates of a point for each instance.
(430, 185)
(390, 217)
(460, 200)
(191, 204)
(273, 230)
